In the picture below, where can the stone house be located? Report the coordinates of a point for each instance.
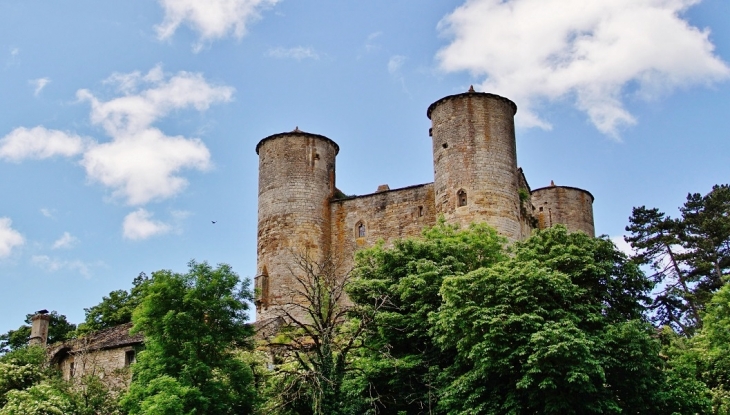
(105, 354)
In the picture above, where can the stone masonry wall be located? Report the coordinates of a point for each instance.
(296, 183)
(109, 365)
(386, 216)
(475, 158)
(569, 206)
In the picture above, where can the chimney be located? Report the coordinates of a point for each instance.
(39, 328)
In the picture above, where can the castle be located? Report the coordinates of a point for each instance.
(476, 179)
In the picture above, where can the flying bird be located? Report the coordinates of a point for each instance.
(213, 221)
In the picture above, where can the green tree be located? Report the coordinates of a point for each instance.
(21, 369)
(29, 385)
(712, 345)
(397, 288)
(59, 329)
(656, 238)
(706, 239)
(40, 399)
(555, 329)
(114, 309)
(690, 255)
(193, 323)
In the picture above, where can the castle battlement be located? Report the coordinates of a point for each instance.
(476, 179)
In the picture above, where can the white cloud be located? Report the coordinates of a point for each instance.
(395, 63)
(54, 264)
(592, 52)
(47, 212)
(14, 52)
(622, 245)
(65, 241)
(298, 53)
(141, 163)
(39, 84)
(137, 110)
(40, 143)
(9, 237)
(145, 166)
(212, 19)
(139, 225)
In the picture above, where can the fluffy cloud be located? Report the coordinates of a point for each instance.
(141, 163)
(212, 19)
(298, 53)
(39, 84)
(145, 166)
(9, 237)
(139, 225)
(588, 51)
(65, 241)
(138, 109)
(40, 143)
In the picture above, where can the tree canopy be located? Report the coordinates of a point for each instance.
(689, 255)
(192, 324)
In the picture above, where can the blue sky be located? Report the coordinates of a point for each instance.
(128, 126)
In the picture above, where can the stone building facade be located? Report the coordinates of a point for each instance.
(476, 179)
(105, 354)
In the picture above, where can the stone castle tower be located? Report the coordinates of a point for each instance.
(476, 179)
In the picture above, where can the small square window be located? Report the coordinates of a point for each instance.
(129, 357)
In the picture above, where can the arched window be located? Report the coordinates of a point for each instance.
(360, 230)
(461, 196)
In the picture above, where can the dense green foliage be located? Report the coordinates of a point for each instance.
(29, 386)
(59, 329)
(554, 329)
(192, 324)
(398, 289)
(553, 326)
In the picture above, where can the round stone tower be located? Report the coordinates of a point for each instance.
(475, 161)
(296, 182)
(565, 205)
